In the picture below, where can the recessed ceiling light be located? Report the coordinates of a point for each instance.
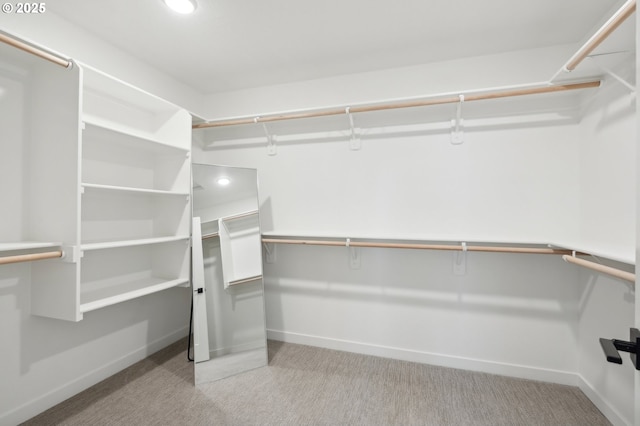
(223, 181)
(181, 6)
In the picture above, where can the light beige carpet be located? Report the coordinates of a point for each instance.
(311, 386)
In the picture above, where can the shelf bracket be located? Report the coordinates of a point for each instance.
(612, 74)
(457, 124)
(71, 254)
(354, 143)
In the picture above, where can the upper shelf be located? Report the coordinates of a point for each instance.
(116, 105)
(97, 129)
(102, 245)
(125, 189)
(605, 48)
(610, 253)
(526, 108)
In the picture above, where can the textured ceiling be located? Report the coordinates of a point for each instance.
(235, 44)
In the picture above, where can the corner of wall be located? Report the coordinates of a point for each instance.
(57, 34)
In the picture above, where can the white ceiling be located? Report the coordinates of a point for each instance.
(235, 44)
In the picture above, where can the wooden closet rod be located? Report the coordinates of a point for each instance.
(605, 31)
(495, 249)
(406, 104)
(29, 257)
(35, 51)
(245, 280)
(241, 215)
(601, 268)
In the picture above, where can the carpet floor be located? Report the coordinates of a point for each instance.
(305, 385)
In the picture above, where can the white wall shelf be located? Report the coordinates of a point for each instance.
(616, 254)
(132, 243)
(100, 298)
(410, 238)
(97, 187)
(108, 131)
(111, 161)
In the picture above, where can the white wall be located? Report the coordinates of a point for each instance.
(457, 76)
(510, 314)
(55, 33)
(607, 155)
(45, 361)
(524, 315)
(607, 172)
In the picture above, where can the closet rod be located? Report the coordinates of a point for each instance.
(241, 215)
(406, 104)
(35, 51)
(212, 235)
(605, 31)
(29, 257)
(618, 273)
(495, 249)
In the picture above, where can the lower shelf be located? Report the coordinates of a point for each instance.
(106, 296)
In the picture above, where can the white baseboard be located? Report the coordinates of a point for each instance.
(602, 404)
(67, 390)
(511, 370)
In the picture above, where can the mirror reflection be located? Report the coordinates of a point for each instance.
(229, 329)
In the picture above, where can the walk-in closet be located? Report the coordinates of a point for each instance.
(409, 188)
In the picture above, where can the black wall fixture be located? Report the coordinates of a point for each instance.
(612, 346)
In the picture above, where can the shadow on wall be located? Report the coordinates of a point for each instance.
(553, 109)
(506, 284)
(104, 336)
(266, 213)
(246, 137)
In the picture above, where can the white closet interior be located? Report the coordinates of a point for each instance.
(350, 189)
(98, 175)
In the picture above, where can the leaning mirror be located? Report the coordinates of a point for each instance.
(229, 331)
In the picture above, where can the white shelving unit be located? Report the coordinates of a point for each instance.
(99, 169)
(135, 184)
